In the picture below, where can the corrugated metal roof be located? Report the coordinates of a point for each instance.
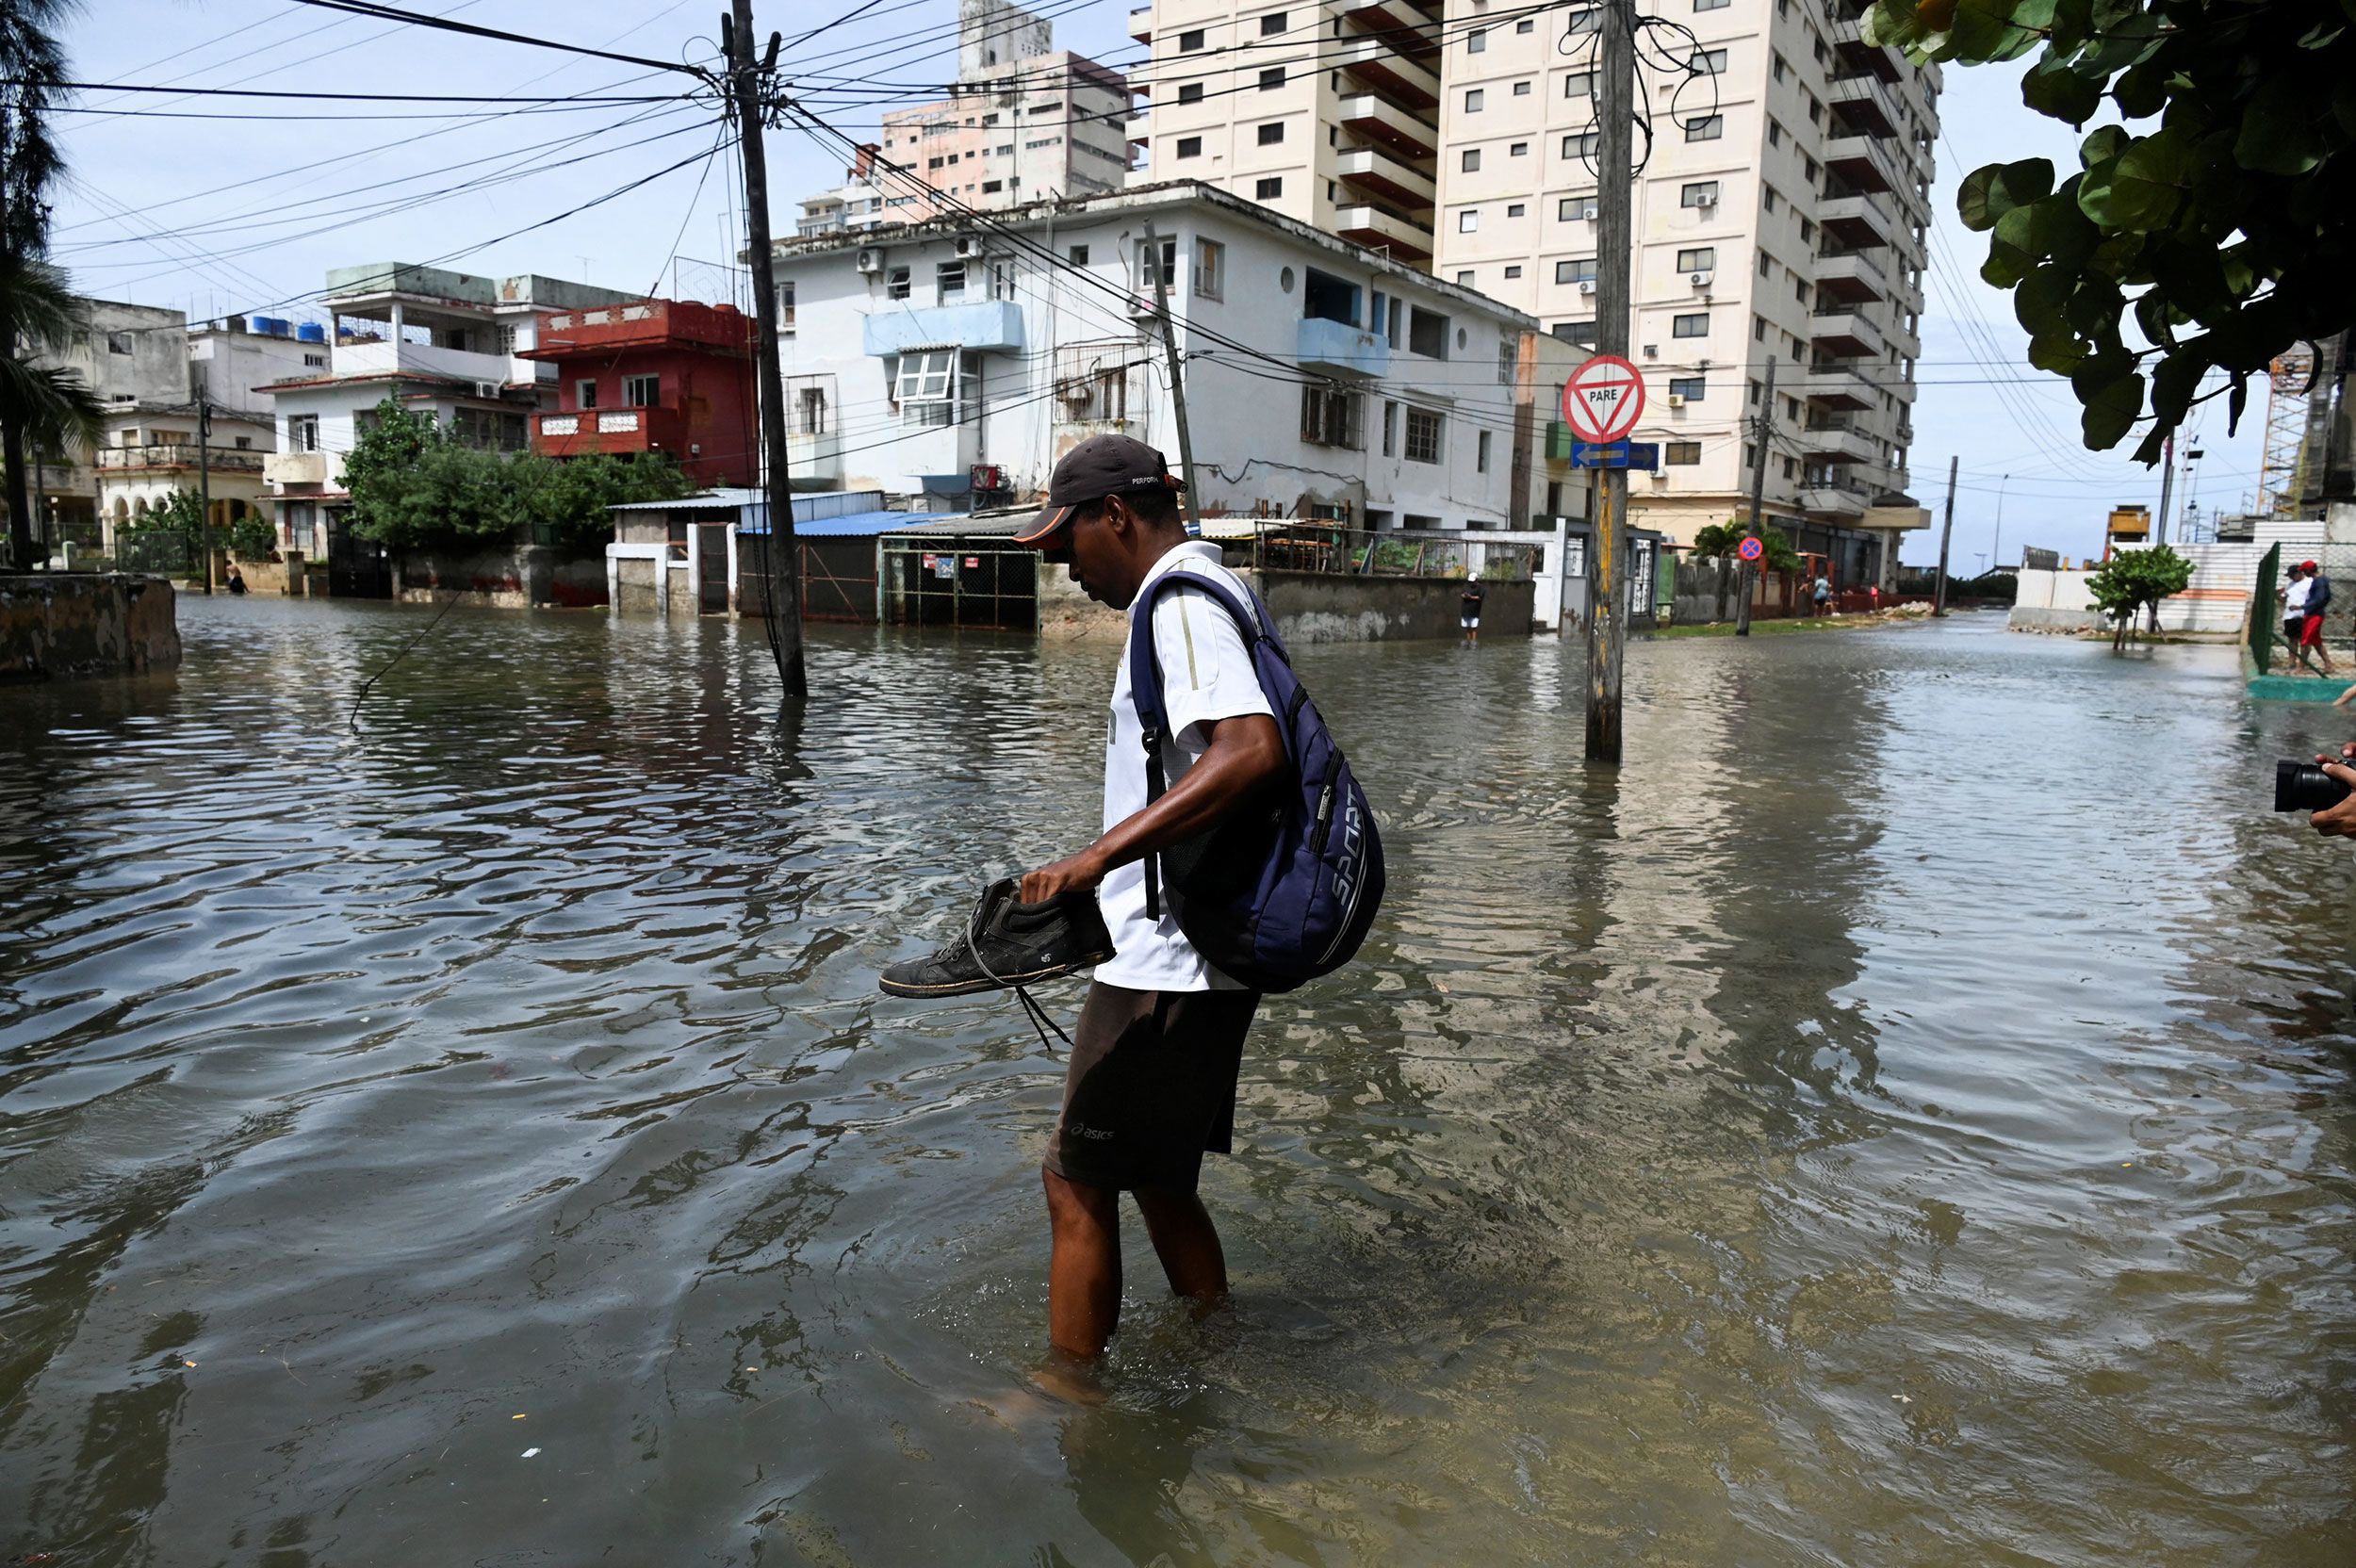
(808, 506)
(967, 524)
(862, 525)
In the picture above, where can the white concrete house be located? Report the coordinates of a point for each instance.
(428, 338)
(958, 356)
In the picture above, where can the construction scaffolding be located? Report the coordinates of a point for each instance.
(2282, 471)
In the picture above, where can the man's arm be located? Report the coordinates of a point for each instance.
(1246, 754)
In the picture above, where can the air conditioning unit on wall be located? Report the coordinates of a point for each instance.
(1702, 279)
(870, 260)
(1676, 400)
(1587, 285)
(487, 389)
(970, 247)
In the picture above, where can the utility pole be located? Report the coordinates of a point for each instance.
(1177, 380)
(1606, 619)
(1758, 497)
(1946, 531)
(2168, 486)
(205, 482)
(784, 599)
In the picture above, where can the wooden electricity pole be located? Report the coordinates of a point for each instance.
(1946, 531)
(1607, 620)
(1759, 433)
(782, 591)
(204, 484)
(1177, 379)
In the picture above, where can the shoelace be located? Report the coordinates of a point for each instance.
(1040, 1022)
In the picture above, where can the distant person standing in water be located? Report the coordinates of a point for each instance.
(1468, 608)
(2311, 627)
(236, 579)
(2294, 596)
(1823, 594)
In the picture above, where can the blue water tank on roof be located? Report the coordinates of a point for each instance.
(312, 332)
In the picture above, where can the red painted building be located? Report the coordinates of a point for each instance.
(652, 376)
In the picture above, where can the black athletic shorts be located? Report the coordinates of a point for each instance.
(1152, 1087)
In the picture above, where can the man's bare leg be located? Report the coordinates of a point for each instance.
(1187, 1244)
(1084, 1269)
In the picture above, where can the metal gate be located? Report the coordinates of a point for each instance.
(952, 582)
(356, 568)
(839, 580)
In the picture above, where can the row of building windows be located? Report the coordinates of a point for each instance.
(1270, 25)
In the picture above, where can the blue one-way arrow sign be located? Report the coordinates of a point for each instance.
(1615, 455)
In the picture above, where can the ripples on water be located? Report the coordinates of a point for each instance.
(1903, 1117)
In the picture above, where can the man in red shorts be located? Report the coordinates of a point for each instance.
(2310, 629)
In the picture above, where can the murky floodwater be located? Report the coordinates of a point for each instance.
(1903, 1117)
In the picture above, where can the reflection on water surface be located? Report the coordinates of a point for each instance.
(1902, 1116)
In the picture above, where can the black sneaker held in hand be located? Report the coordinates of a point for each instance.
(1007, 944)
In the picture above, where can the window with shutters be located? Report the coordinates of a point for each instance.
(1425, 434)
(1330, 416)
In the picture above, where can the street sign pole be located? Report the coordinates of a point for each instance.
(1607, 618)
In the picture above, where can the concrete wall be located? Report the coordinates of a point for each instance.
(66, 626)
(522, 577)
(1317, 607)
(285, 577)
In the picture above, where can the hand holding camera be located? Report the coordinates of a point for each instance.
(2323, 788)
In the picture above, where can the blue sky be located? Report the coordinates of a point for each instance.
(245, 214)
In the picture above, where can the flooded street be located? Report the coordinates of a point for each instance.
(1903, 1117)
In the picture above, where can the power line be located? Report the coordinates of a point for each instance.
(392, 13)
(338, 97)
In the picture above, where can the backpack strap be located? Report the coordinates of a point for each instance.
(1145, 683)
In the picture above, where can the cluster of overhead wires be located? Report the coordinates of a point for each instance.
(651, 121)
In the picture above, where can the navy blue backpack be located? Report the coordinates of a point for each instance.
(1282, 889)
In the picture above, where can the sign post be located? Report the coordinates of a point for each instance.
(1601, 402)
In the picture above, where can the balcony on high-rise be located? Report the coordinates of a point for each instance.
(1861, 103)
(1383, 175)
(1382, 228)
(1384, 67)
(1850, 276)
(1845, 333)
(1378, 120)
(1855, 220)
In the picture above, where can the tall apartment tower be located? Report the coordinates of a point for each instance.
(1326, 110)
(1782, 213)
(1024, 122)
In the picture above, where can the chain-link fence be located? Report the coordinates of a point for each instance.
(156, 552)
(1291, 545)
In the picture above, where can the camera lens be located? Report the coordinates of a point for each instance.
(2305, 787)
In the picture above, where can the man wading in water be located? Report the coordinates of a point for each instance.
(1152, 1083)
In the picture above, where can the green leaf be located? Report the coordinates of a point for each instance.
(2112, 412)
(1991, 193)
(2174, 380)
(1984, 31)
(2101, 145)
(2092, 308)
(2074, 22)
(2277, 130)
(2148, 182)
(2059, 91)
(2157, 319)
(2193, 278)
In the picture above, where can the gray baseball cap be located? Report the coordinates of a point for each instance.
(1099, 467)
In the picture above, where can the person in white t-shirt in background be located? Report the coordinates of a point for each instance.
(2294, 614)
(1155, 1060)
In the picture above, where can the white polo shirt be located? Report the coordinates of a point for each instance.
(1206, 675)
